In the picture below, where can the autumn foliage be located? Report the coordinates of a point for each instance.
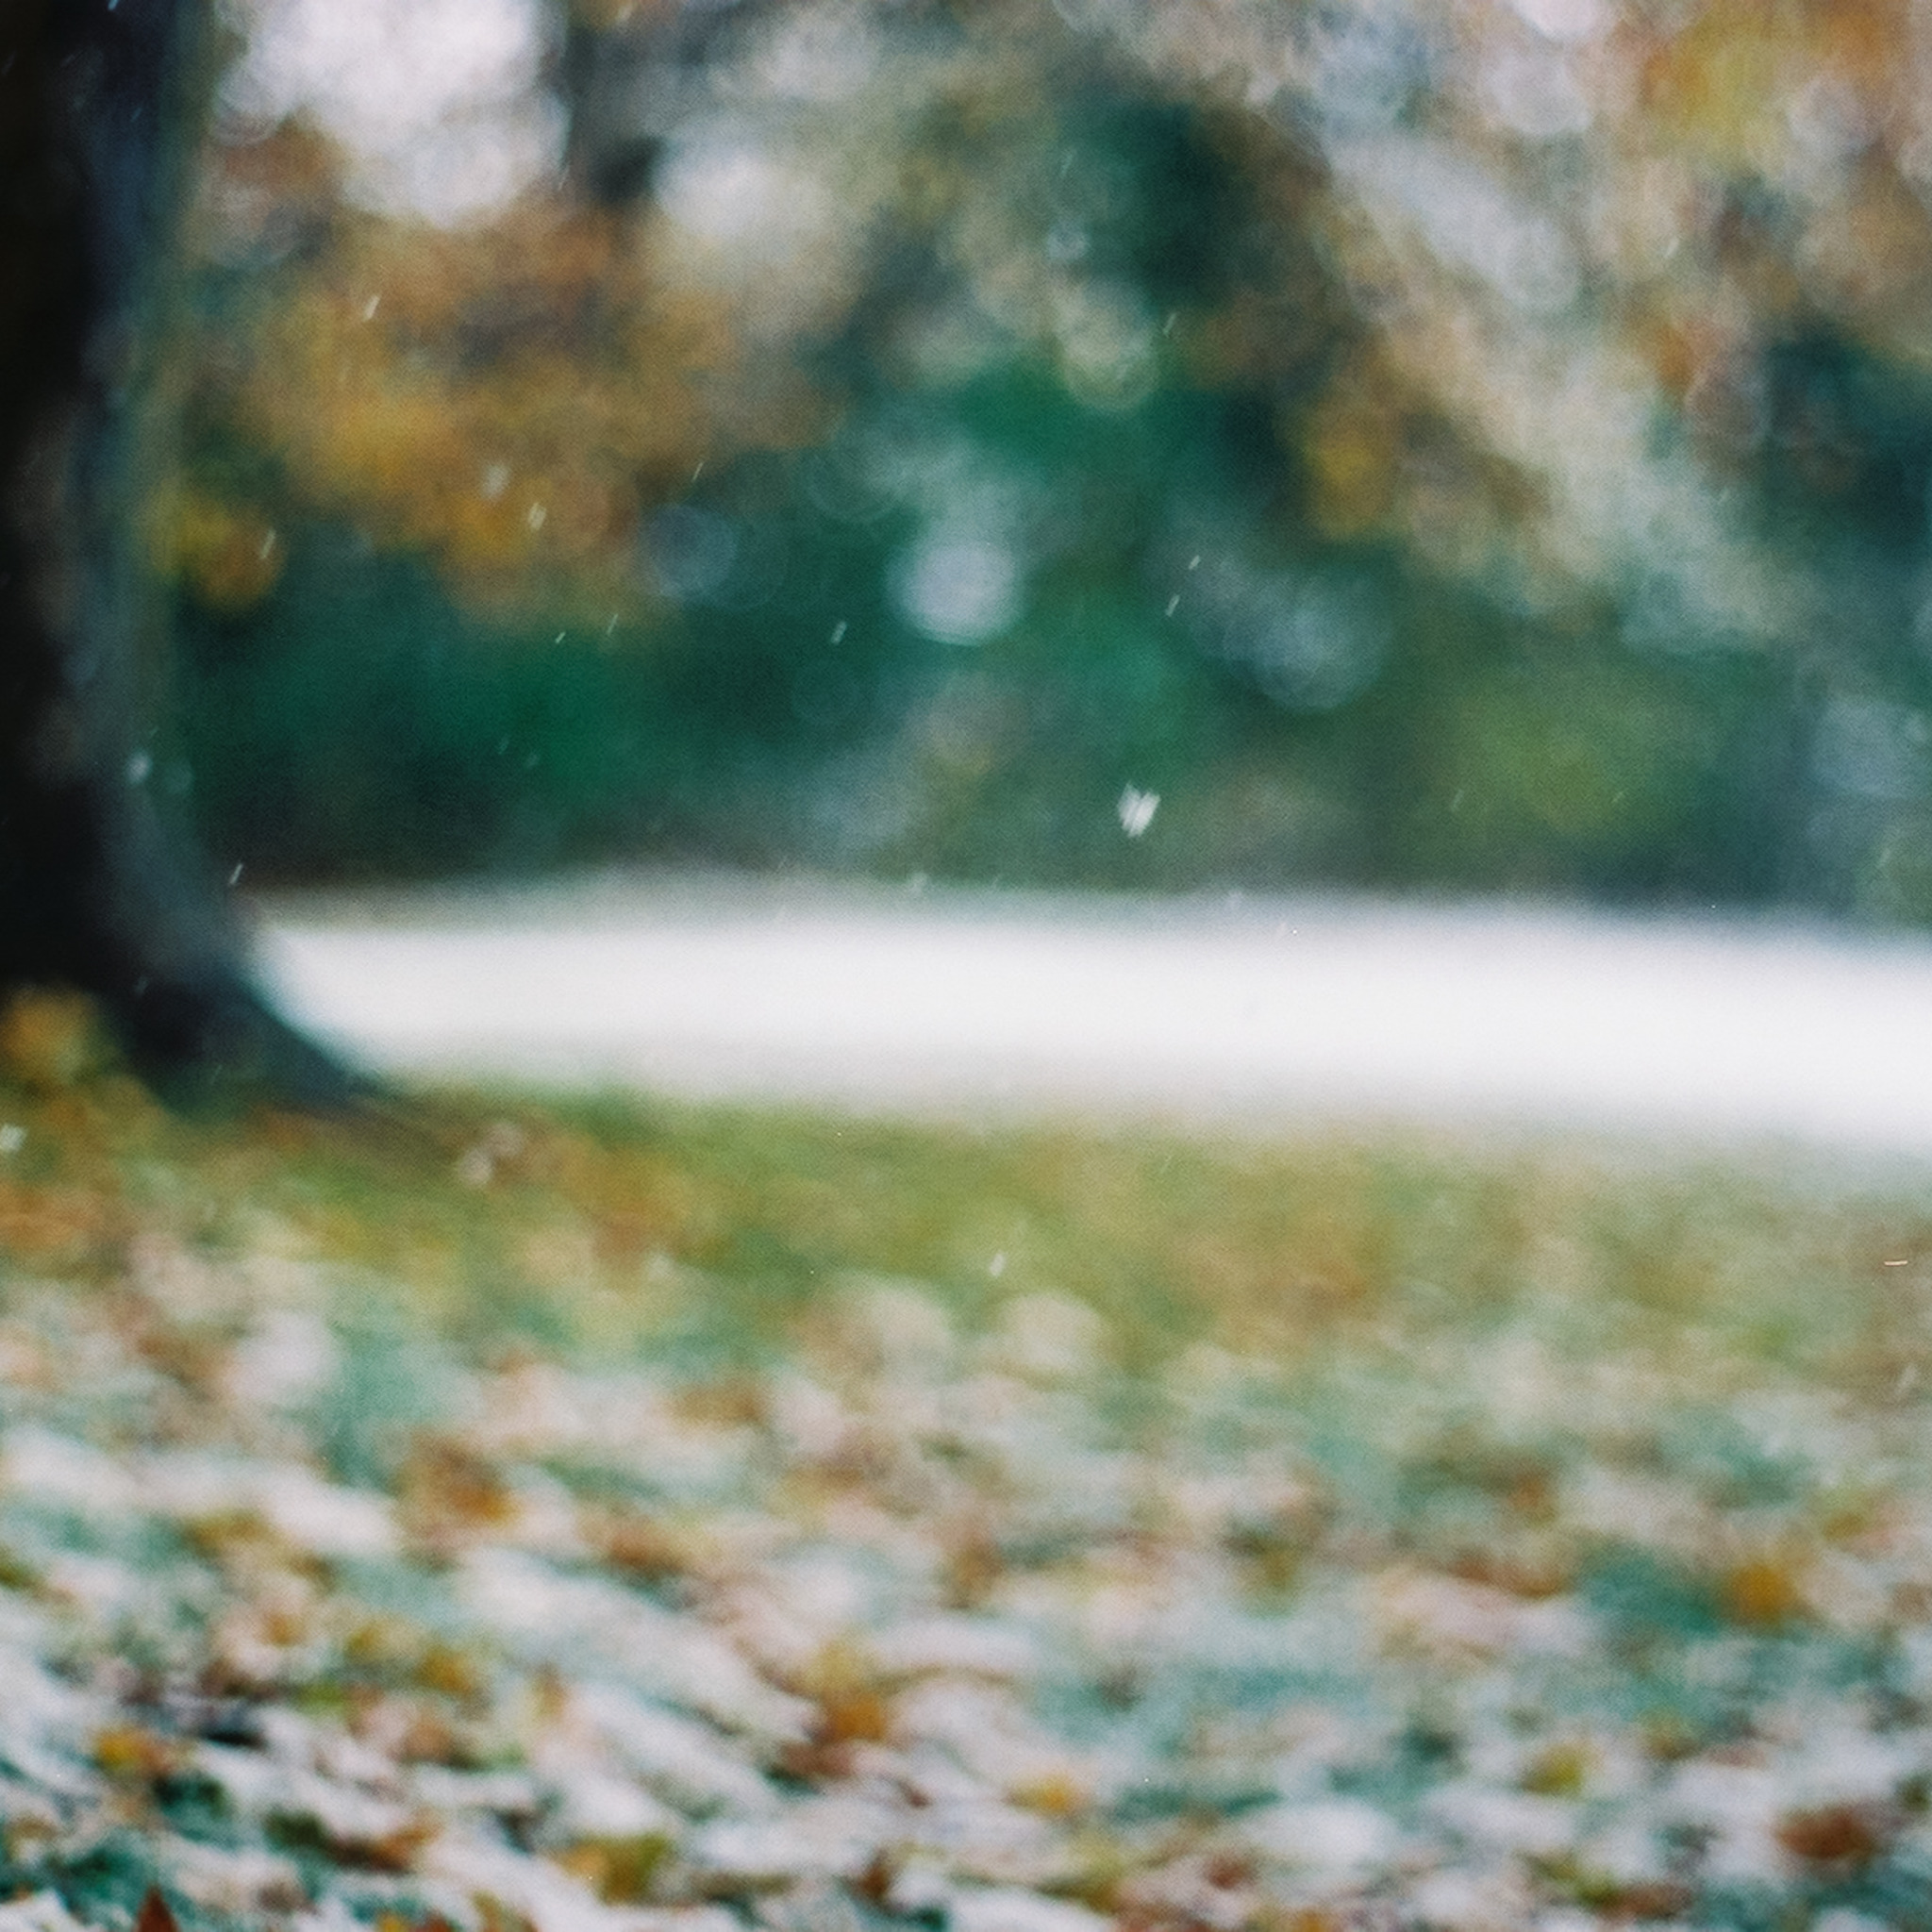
(1455, 443)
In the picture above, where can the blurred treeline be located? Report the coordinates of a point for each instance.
(1444, 444)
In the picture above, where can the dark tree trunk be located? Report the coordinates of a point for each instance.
(95, 892)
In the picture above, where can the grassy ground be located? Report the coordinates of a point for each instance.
(621, 1223)
(589, 1514)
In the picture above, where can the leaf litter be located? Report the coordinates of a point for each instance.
(1538, 1613)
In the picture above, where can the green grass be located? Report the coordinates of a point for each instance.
(622, 1223)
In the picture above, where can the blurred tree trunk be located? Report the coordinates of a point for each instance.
(95, 893)
(629, 75)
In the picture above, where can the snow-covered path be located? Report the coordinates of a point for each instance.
(1264, 1011)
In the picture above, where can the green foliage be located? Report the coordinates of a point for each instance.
(1140, 419)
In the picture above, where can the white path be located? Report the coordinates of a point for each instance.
(1255, 1011)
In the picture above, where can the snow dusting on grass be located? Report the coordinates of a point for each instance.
(946, 1628)
(328, 1599)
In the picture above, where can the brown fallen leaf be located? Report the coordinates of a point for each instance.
(1766, 1590)
(1846, 1835)
(156, 1914)
(131, 1755)
(618, 1870)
